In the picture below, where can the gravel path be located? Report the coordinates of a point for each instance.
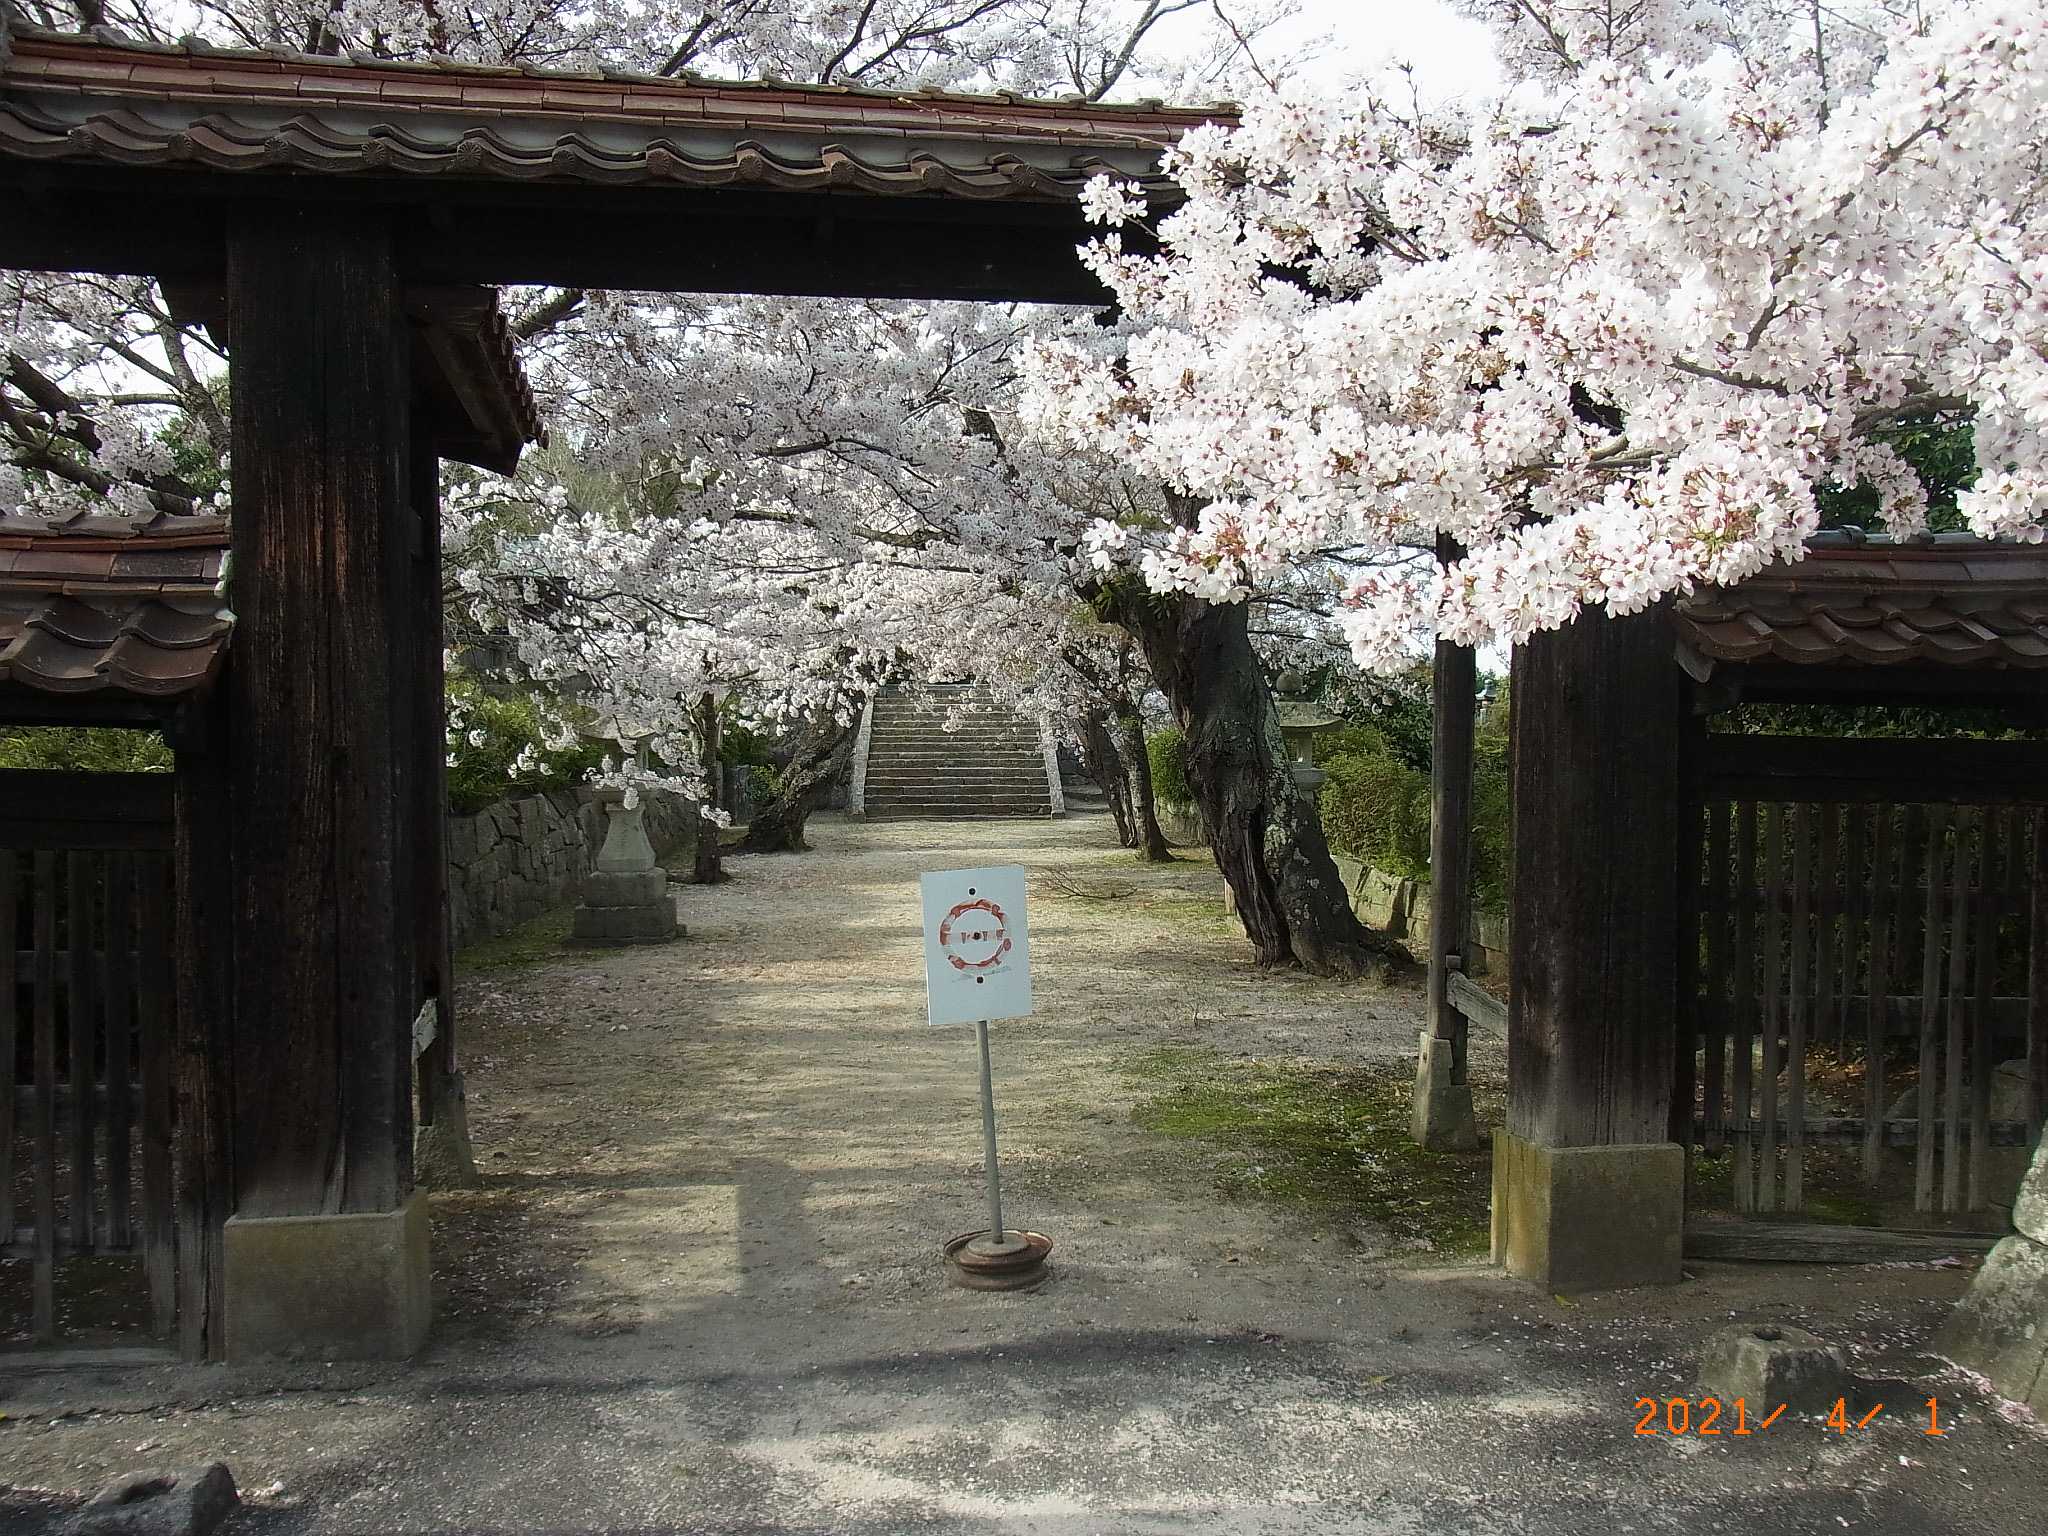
(698, 1291)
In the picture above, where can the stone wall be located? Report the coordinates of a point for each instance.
(519, 858)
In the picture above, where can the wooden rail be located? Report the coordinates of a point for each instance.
(1477, 1004)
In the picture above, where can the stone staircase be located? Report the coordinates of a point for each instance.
(992, 766)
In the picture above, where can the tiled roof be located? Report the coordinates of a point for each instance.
(65, 97)
(100, 605)
(1949, 601)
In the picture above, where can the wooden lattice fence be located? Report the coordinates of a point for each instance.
(87, 1002)
(1894, 949)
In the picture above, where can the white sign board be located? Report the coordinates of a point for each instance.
(977, 951)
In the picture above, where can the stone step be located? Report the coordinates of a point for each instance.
(975, 794)
(916, 733)
(923, 759)
(937, 743)
(1020, 803)
(963, 816)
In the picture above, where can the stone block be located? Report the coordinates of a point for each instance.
(1442, 1117)
(441, 1155)
(188, 1502)
(351, 1286)
(1588, 1218)
(1378, 901)
(654, 924)
(642, 888)
(2030, 1207)
(2000, 1327)
(1766, 1364)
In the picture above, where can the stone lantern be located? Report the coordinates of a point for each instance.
(1301, 721)
(625, 900)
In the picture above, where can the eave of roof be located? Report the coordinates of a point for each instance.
(112, 608)
(1946, 601)
(68, 97)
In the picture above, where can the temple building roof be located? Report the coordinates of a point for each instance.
(107, 98)
(1858, 601)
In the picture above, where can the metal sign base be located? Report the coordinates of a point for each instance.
(996, 1259)
(1017, 1264)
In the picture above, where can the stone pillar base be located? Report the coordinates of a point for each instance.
(625, 907)
(355, 1286)
(1588, 1218)
(1442, 1119)
(441, 1156)
(654, 923)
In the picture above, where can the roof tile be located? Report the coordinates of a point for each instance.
(1881, 604)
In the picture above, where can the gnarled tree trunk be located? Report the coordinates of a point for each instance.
(708, 868)
(1128, 732)
(1263, 827)
(1105, 767)
(821, 750)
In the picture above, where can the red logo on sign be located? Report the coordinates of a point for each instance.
(980, 932)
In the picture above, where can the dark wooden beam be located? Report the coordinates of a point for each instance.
(1592, 955)
(105, 812)
(323, 542)
(1929, 686)
(1874, 770)
(121, 220)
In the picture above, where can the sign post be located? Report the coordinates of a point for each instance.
(977, 967)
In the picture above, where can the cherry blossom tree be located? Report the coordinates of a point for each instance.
(1605, 335)
(804, 498)
(1609, 333)
(99, 374)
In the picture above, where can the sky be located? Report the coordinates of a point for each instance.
(1451, 54)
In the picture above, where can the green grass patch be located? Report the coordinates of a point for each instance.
(1333, 1142)
(535, 943)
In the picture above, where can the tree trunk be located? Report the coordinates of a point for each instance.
(1263, 827)
(821, 751)
(1105, 767)
(709, 867)
(1128, 731)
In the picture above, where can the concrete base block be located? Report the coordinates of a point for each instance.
(1767, 1364)
(639, 888)
(2000, 1327)
(356, 1286)
(1588, 1218)
(651, 924)
(1442, 1117)
(441, 1155)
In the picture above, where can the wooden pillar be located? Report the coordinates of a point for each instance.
(322, 766)
(427, 693)
(1442, 1115)
(202, 1061)
(1587, 1189)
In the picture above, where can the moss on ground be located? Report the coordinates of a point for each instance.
(537, 942)
(1333, 1142)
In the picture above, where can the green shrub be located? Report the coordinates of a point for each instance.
(498, 748)
(1168, 758)
(84, 749)
(1376, 808)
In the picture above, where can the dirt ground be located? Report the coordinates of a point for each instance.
(698, 1290)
